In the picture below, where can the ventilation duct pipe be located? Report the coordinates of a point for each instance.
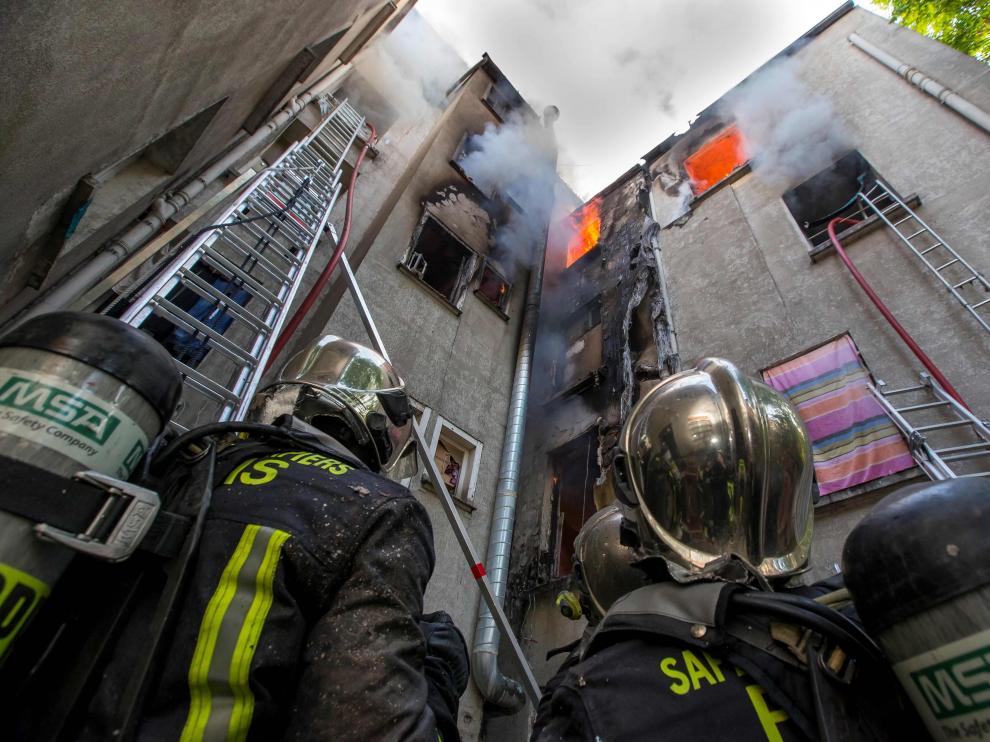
(496, 687)
(919, 79)
(119, 248)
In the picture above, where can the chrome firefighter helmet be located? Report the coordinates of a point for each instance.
(351, 393)
(714, 465)
(603, 565)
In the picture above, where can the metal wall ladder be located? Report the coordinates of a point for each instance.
(944, 438)
(219, 305)
(969, 287)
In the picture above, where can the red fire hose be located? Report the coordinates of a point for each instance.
(888, 315)
(314, 293)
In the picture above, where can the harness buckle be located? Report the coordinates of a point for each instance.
(119, 525)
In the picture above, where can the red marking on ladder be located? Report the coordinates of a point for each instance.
(281, 205)
(478, 570)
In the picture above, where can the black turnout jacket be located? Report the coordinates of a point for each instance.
(301, 616)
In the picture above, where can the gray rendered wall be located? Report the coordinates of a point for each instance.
(461, 367)
(743, 286)
(88, 84)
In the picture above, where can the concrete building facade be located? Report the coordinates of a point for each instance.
(741, 279)
(105, 111)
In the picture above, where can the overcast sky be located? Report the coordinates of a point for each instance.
(624, 73)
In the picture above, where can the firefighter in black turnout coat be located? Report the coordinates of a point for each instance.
(714, 648)
(303, 616)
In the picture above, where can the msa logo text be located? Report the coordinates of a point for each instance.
(59, 406)
(957, 686)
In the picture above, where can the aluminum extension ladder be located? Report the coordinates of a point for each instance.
(928, 412)
(220, 304)
(969, 287)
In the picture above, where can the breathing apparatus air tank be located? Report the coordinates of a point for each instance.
(78, 392)
(918, 568)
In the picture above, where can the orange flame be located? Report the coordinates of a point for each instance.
(587, 229)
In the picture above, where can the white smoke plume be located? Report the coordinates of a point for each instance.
(791, 132)
(516, 162)
(411, 68)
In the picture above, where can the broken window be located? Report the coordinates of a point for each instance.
(586, 227)
(493, 288)
(499, 100)
(583, 347)
(853, 441)
(573, 471)
(440, 260)
(829, 194)
(716, 159)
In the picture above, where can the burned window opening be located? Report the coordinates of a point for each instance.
(441, 261)
(586, 228)
(582, 356)
(493, 288)
(574, 469)
(716, 160)
(831, 193)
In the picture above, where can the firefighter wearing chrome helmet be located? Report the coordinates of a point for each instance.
(714, 475)
(303, 618)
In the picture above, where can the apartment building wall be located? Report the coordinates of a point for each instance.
(118, 103)
(742, 284)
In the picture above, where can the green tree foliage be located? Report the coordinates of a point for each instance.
(962, 24)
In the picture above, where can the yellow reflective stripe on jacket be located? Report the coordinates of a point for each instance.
(221, 701)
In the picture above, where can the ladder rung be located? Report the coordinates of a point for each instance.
(925, 406)
(970, 455)
(207, 386)
(904, 390)
(980, 304)
(941, 426)
(930, 248)
(191, 324)
(912, 236)
(963, 283)
(946, 265)
(975, 474)
(966, 447)
(901, 221)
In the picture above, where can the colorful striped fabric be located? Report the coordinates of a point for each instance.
(852, 438)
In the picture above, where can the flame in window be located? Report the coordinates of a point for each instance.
(716, 159)
(587, 226)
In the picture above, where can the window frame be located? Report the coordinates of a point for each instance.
(466, 272)
(499, 308)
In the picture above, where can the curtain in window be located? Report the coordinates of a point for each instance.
(853, 439)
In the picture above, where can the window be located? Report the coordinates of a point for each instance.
(493, 288)
(716, 159)
(853, 440)
(830, 194)
(586, 227)
(458, 458)
(440, 260)
(499, 100)
(573, 470)
(582, 355)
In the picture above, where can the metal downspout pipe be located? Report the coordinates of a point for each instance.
(496, 687)
(119, 248)
(919, 79)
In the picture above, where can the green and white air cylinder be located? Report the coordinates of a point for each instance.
(918, 568)
(78, 392)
